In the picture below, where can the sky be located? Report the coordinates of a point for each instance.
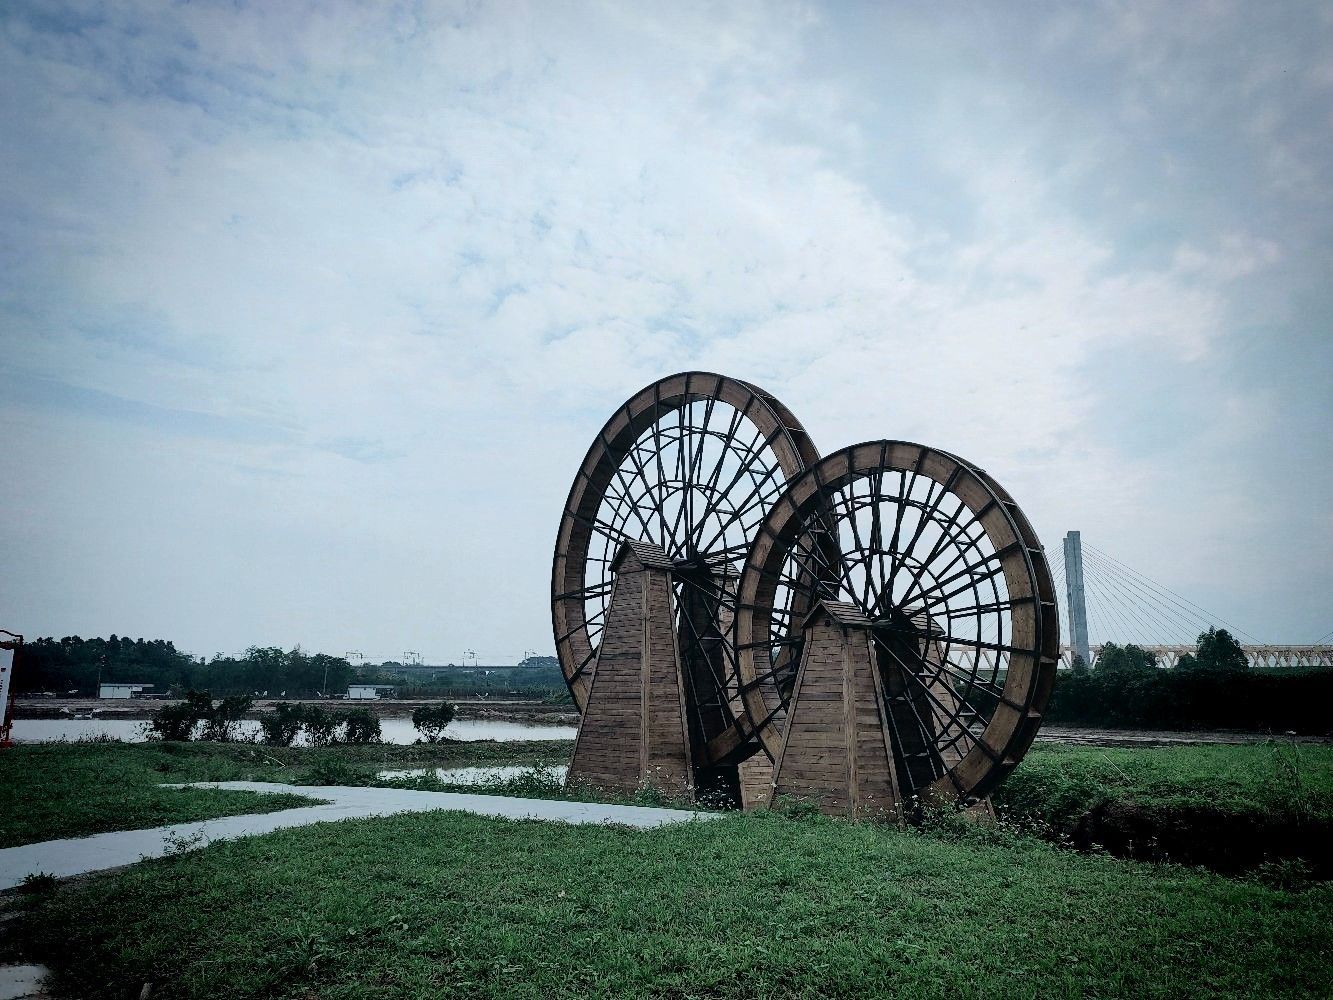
(309, 312)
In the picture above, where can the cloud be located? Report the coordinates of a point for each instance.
(429, 248)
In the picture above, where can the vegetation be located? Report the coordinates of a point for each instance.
(1212, 688)
(754, 905)
(1230, 808)
(431, 720)
(75, 665)
(1274, 701)
(199, 715)
(535, 677)
(54, 790)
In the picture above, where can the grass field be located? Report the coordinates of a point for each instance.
(54, 790)
(1059, 783)
(752, 905)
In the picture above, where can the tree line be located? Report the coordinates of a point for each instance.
(1211, 688)
(75, 666)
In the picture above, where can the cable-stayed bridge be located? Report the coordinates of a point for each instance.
(1104, 600)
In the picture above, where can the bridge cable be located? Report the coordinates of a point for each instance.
(1137, 605)
(1207, 615)
(1190, 622)
(1111, 607)
(1164, 614)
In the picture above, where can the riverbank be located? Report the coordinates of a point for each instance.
(56, 790)
(135, 709)
(747, 906)
(1233, 809)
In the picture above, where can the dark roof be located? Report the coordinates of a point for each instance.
(650, 554)
(846, 615)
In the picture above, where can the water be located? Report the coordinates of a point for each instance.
(400, 731)
(477, 775)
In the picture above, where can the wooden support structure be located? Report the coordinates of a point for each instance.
(837, 748)
(634, 729)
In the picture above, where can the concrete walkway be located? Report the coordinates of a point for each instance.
(64, 858)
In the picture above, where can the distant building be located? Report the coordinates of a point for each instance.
(123, 690)
(370, 692)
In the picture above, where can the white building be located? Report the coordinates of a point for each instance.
(370, 692)
(122, 690)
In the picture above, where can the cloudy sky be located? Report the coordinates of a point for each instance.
(309, 313)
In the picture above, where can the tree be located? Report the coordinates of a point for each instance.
(431, 720)
(1078, 666)
(321, 727)
(1128, 658)
(282, 724)
(1216, 649)
(221, 722)
(359, 726)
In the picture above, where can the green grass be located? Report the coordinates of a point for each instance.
(753, 905)
(49, 791)
(1058, 784)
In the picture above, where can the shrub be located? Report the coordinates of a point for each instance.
(281, 726)
(360, 726)
(177, 722)
(220, 724)
(431, 720)
(321, 727)
(1194, 698)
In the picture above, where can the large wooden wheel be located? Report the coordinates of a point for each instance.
(956, 591)
(691, 463)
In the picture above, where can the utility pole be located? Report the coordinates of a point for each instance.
(1078, 608)
(346, 656)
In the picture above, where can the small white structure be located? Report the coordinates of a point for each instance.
(122, 690)
(370, 692)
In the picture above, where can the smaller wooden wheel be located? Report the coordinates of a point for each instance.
(938, 576)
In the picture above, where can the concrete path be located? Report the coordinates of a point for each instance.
(64, 858)
(19, 981)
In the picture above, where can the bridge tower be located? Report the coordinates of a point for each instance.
(1078, 608)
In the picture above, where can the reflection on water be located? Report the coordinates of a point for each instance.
(400, 731)
(478, 775)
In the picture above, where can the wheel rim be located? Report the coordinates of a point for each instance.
(944, 563)
(692, 463)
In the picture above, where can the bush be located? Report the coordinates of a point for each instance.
(174, 722)
(360, 726)
(178, 722)
(431, 720)
(1194, 698)
(321, 727)
(281, 726)
(220, 724)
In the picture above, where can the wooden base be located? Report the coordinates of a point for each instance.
(836, 749)
(860, 734)
(633, 731)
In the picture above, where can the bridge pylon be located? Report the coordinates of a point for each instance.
(1074, 597)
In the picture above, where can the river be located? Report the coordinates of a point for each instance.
(392, 730)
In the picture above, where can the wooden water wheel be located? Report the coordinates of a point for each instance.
(657, 524)
(896, 630)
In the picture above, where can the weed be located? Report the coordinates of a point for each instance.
(37, 884)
